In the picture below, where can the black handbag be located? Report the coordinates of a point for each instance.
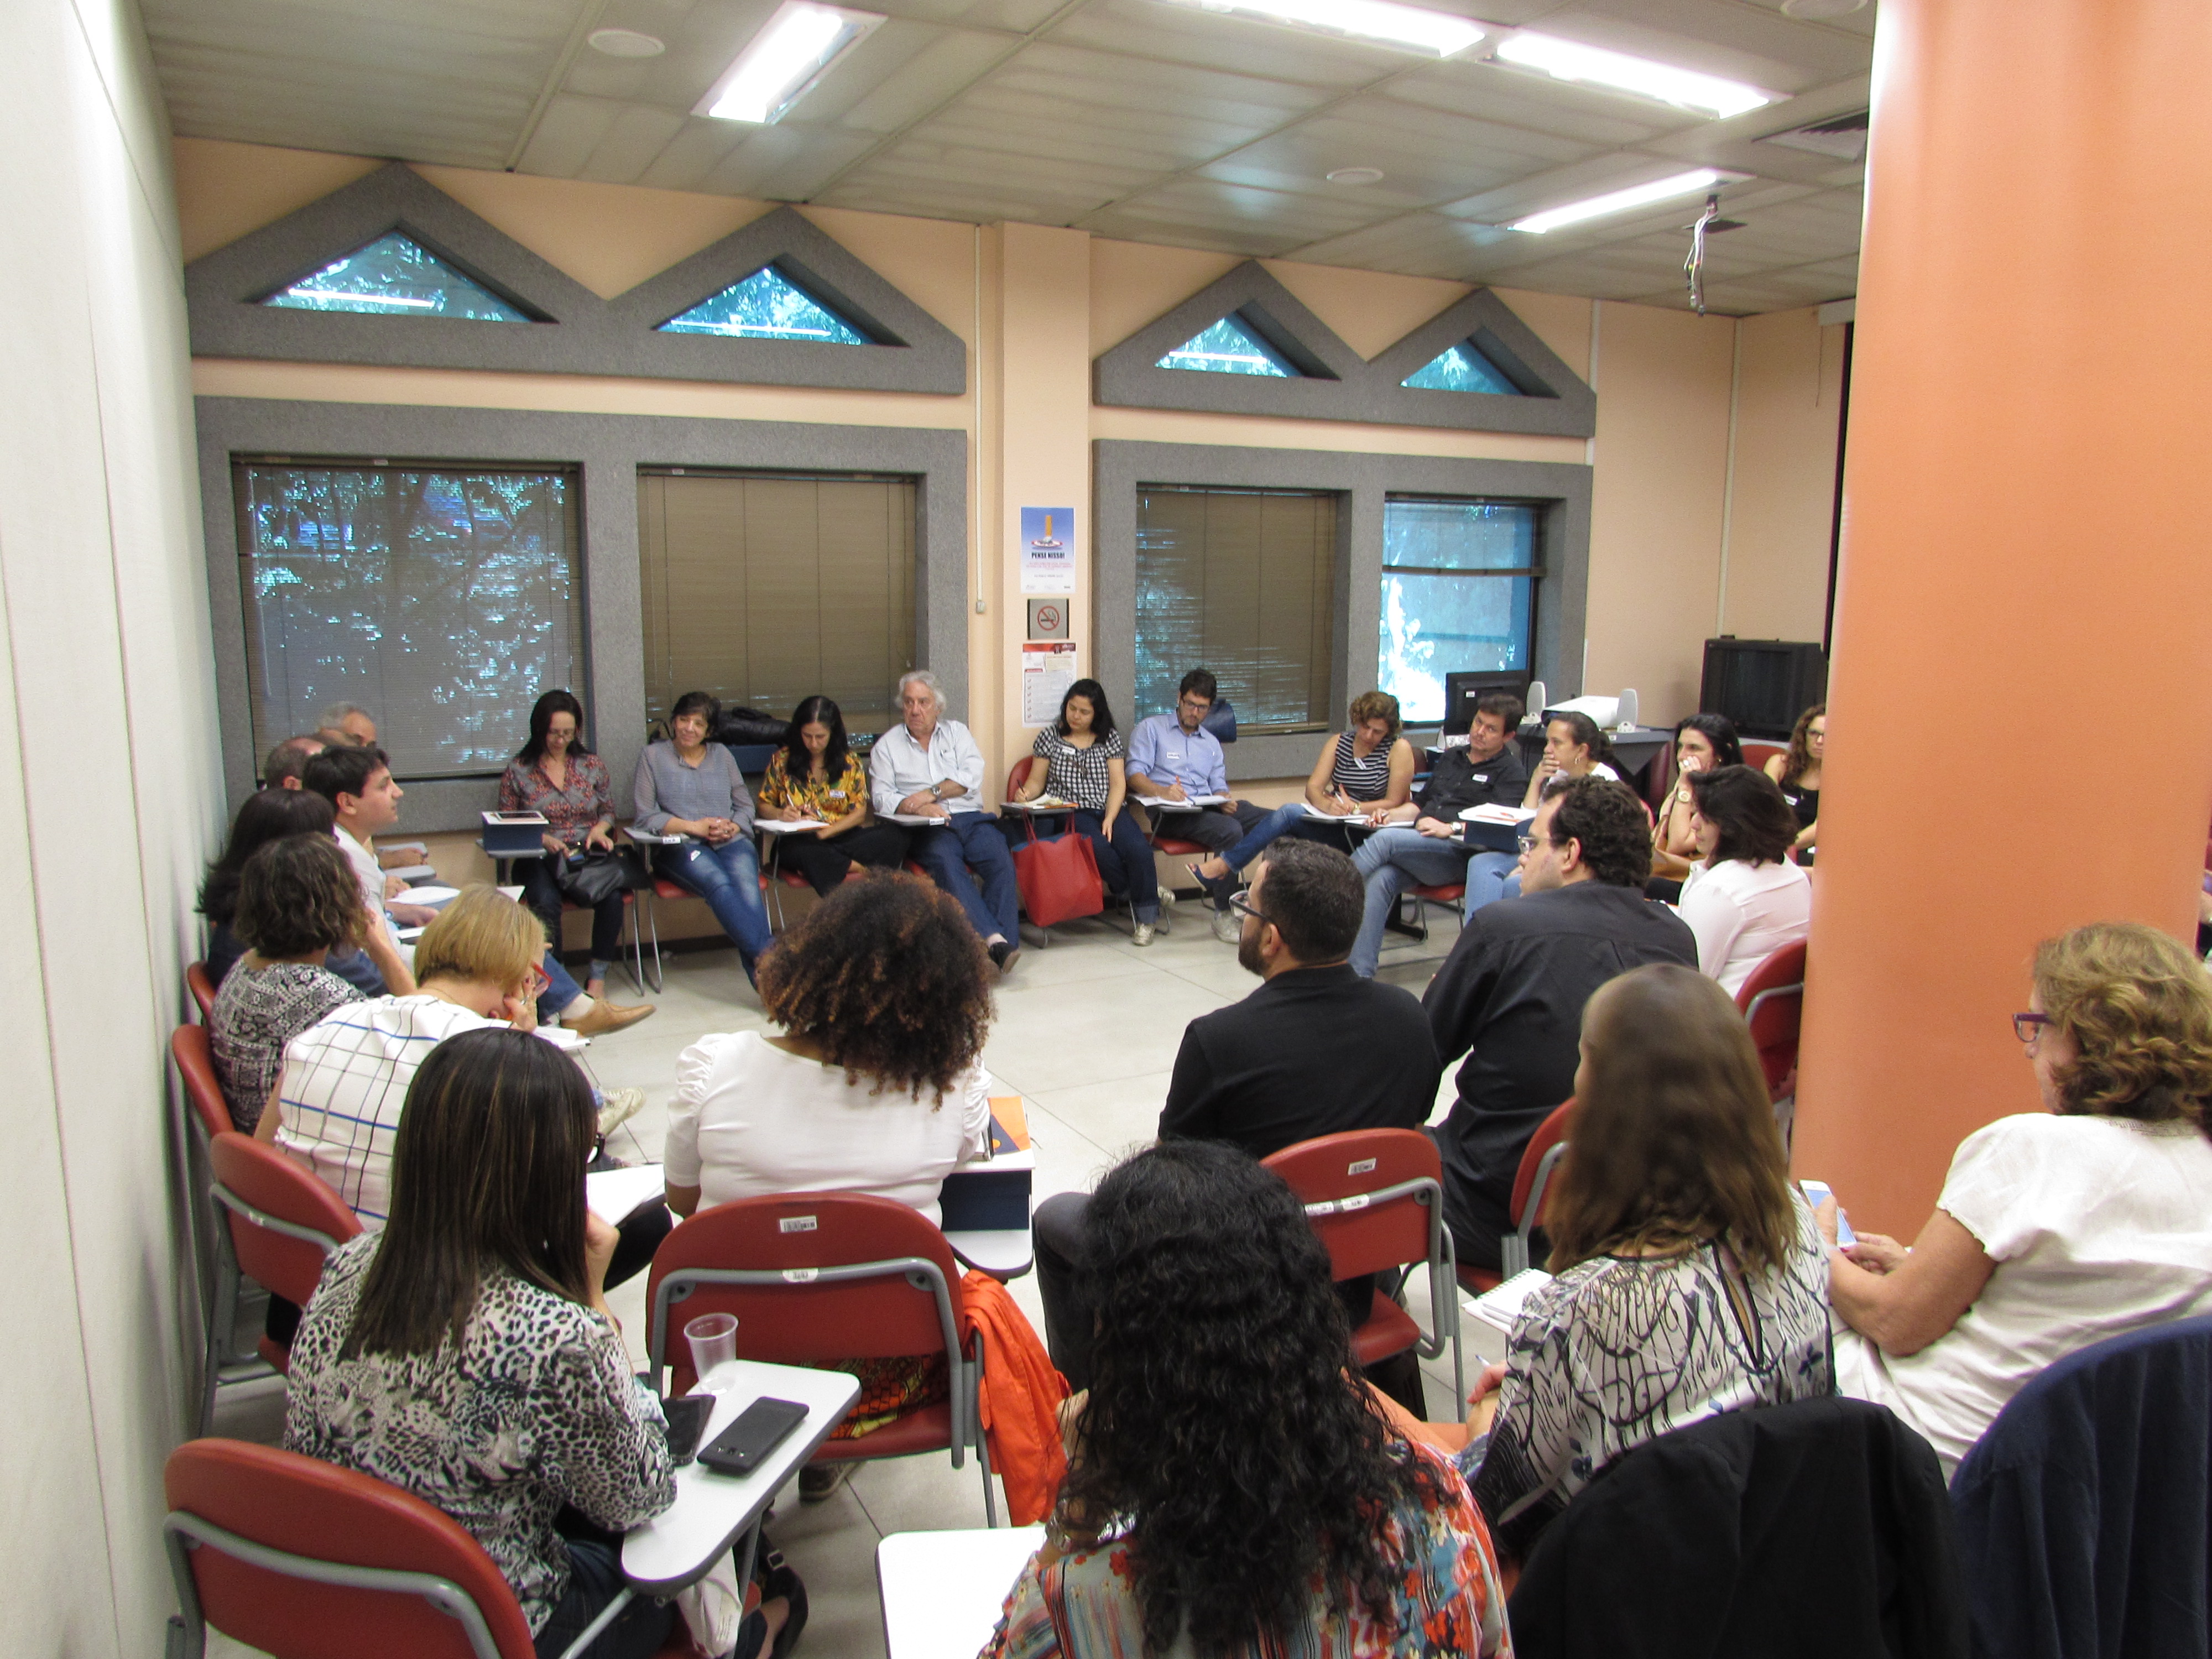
(594, 878)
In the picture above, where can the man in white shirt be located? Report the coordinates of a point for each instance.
(357, 782)
(929, 767)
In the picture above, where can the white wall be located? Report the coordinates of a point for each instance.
(108, 768)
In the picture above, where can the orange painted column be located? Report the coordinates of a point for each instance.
(2020, 733)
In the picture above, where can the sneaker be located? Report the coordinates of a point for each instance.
(617, 1107)
(1005, 954)
(1228, 925)
(1142, 933)
(818, 1482)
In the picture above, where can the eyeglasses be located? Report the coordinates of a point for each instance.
(1240, 900)
(1528, 843)
(1196, 705)
(2028, 1027)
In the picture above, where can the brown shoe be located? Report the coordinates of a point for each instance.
(607, 1017)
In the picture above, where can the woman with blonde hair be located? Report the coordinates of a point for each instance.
(2056, 1229)
(1687, 1271)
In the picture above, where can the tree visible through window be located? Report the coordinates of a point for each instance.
(766, 306)
(395, 276)
(1459, 595)
(441, 599)
(1228, 347)
(1463, 367)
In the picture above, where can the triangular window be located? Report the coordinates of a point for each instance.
(396, 276)
(1228, 348)
(766, 306)
(1462, 368)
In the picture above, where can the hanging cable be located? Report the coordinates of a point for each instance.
(1694, 268)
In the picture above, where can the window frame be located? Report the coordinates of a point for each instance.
(1493, 573)
(1366, 482)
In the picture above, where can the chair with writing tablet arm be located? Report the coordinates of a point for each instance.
(1772, 1002)
(292, 1556)
(202, 987)
(1532, 1188)
(283, 1222)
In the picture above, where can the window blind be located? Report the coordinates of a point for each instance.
(764, 590)
(1459, 593)
(1241, 582)
(441, 599)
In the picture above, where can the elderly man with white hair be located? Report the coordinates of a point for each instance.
(929, 767)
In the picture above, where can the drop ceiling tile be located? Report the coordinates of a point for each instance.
(951, 181)
(567, 133)
(1229, 216)
(631, 143)
(1860, 22)
(1413, 245)
(1715, 37)
(1558, 186)
(1486, 92)
(1425, 155)
(1240, 46)
(999, 16)
(926, 80)
(786, 162)
(690, 157)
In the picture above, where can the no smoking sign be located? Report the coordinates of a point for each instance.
(1047, 619)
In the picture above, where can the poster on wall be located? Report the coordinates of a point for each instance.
(1048, 550)
(1047, 670)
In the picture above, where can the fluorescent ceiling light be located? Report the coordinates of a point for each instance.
(1571, 60)
(1619, 201)
(1381, 22)
(785, 60)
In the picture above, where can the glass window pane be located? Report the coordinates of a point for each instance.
(395, 276)
(766, 306)
(443, 601)
(1435, 622)
(1227, 347)
(1239, 582)
(1462, 368)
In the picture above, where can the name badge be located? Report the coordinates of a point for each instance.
(1482, 777)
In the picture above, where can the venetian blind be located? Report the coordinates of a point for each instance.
(1241, 582)
(765, 590)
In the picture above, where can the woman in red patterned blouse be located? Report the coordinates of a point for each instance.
(555, 775)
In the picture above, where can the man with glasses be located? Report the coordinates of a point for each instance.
(1315, 1051)
(1173, 759)
(1511, 995)
(1420, 845)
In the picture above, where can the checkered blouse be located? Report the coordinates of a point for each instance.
(1077, 775)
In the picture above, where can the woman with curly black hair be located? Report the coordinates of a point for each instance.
(1230, 1490)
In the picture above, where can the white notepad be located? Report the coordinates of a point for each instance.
(1502, 1306)
(615, 1194)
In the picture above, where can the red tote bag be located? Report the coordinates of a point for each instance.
(1059, 879)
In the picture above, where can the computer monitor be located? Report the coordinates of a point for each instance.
(1461, 690)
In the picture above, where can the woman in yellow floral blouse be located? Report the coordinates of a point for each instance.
(814, 776)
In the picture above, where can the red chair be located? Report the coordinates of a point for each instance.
(305, 1559)
(1532, 1186)
(202, 987)
(817, 1277)
(1449, 893)
(283, 1222)
(1773, 1004)
(195, 1061)
(195, 1057)
(1375, 1197)
(1757, 754)
(663, 888)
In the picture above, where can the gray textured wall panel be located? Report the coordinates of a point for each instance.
(608, 449)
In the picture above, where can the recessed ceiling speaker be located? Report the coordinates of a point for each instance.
(624, 43)
(1815, 11)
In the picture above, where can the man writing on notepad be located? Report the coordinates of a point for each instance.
(1420, 844)
(1173, 759)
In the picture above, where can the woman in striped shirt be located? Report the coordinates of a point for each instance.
(1366, 768)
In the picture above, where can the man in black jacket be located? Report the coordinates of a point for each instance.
(1420, 845)
(1315, 1051)
(1510, 995)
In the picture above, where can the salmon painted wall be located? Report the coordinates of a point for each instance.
(1035, 305)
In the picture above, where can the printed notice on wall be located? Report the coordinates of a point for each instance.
(1048, 550)
(1047, 670)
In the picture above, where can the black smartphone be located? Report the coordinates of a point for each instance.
(687, 1416)
(759, 1430)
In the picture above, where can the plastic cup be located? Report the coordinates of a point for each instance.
(713, 1339)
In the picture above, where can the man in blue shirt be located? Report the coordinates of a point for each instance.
(1173, 758)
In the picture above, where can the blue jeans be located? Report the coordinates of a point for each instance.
(1125, 862)
(972, 841)
(595, 1578)
(1389, 862)
(728, 877)
(1490, 877)
(1256, 840)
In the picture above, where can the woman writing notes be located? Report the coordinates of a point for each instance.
(814, 775)
(690, 789)
(1082, 754)
(554, 776)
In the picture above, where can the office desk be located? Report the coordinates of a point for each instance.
(711, 1510)
(942, 1591)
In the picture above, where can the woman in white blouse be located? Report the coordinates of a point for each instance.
(2056, 1229)
(1744, 899)
(877, 1083)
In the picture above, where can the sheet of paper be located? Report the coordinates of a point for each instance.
(432, 895)
(1190, 804)
(614, 1195)
(920, 821)
(1041, 804)
(783, 827)
(1502, 1306)
(1492, 812)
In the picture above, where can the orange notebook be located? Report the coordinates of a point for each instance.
(1009, 1126)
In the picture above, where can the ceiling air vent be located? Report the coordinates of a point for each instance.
(1843, 137)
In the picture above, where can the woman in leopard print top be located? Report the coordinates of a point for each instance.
(464, 1352)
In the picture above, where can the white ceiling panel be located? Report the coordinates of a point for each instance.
(1133, 117)
(1425, 155)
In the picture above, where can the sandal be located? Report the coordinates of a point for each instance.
(1218, 888)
